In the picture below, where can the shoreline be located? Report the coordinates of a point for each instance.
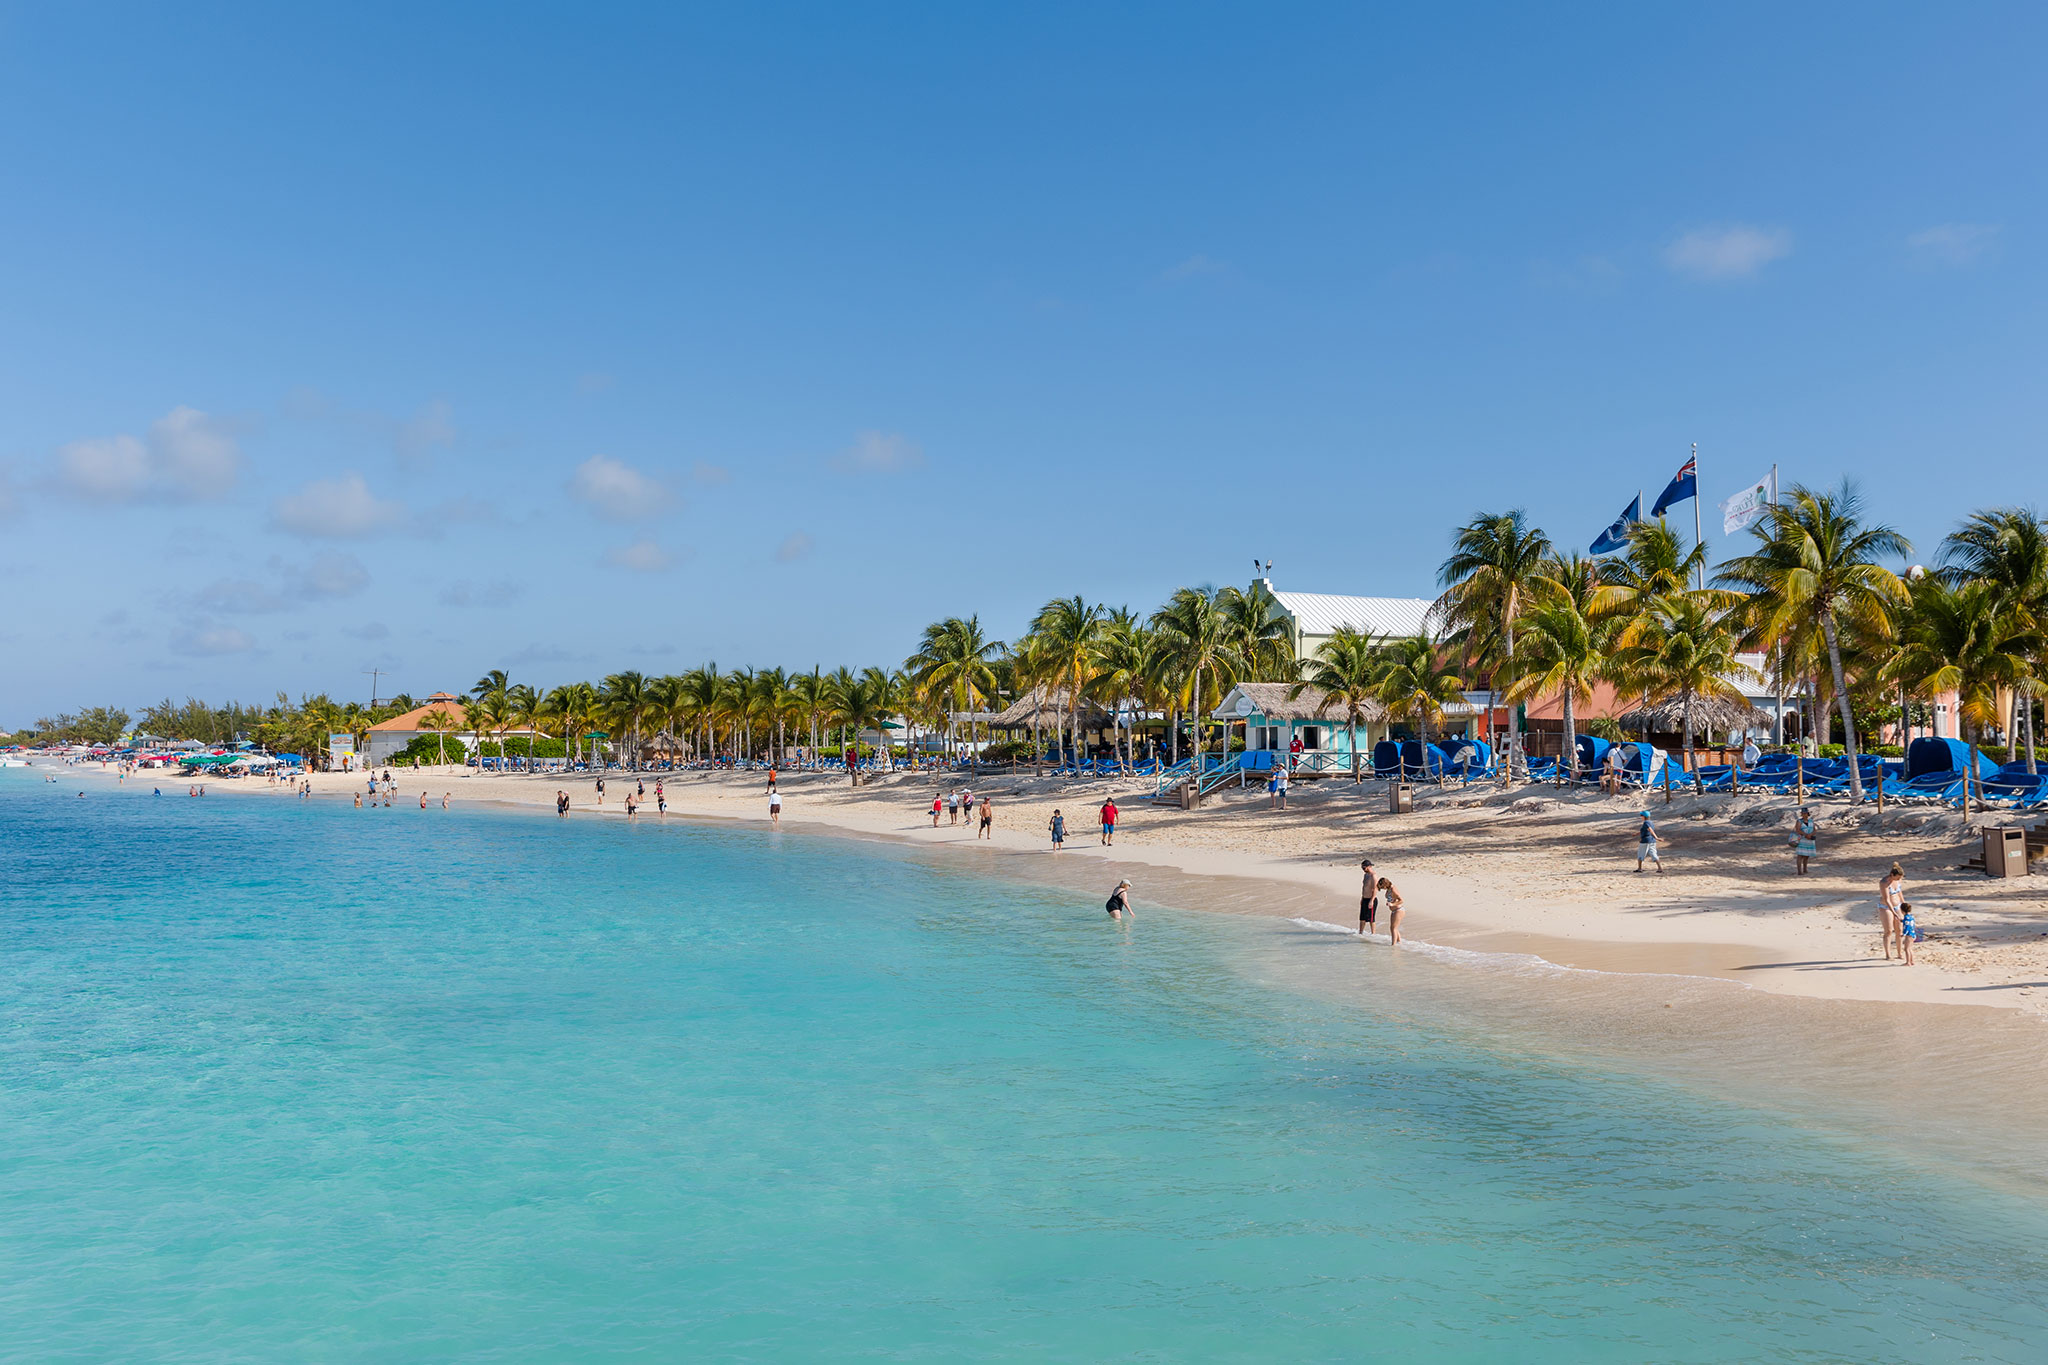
(1532, 898)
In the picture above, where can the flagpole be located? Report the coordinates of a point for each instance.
(1697, 537)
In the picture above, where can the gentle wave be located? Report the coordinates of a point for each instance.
(1520, 964)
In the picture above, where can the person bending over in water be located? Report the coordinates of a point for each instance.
(1120, 902)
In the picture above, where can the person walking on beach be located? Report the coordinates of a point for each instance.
(1646, 844)
(1058, 826)
(988, 819)
(1280, 789)
(771, 782)
(1393, 910)
(1804, 841)
(953, 807)
(1368, 899)
(1109, 814)
(1908, 931)
(774, 806)
(938, 804)
(660, 800)
(1120, 902)
(1891, 898)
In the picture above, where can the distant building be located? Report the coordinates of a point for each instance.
(1314, 617)
(387, 737)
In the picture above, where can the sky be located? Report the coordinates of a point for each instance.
(435, 339)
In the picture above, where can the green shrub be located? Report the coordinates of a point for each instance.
(543, 747)
(424, 751)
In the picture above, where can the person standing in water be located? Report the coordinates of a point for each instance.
(444, 800)
(1120, 902)
(1058, 826)
(1368, 899)
(1393, 910)
(561, 802)
(774, 806)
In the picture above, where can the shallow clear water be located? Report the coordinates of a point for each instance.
(289, 1080)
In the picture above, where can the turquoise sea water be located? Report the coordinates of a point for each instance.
(292, 1081)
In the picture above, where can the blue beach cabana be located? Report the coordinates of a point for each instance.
(1932, 755)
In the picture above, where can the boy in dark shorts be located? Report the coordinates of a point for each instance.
(1368, 900)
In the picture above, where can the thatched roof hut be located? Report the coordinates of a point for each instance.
(1710, 716)
(1272, 700)
(1046, 707)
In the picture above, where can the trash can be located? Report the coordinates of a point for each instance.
(2005, 852)
(1400, 799)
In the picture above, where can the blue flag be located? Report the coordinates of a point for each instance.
(1685, 485)
(1615, 537)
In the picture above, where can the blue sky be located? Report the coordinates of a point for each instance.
(437, 338)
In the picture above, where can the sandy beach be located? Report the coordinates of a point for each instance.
(1524, 871)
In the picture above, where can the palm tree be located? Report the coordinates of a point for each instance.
(442, 722)
(1262, 636)
(522, 709)
(626, 703)
(701, 689)
(1816, 562)
(1969, 641)
(953, 660)
(813, 699)
(1123, 658)
(1194, 628)
(1681, 643)
(1636, 586)
(1495, 560)
(1416, 685)
(668, 707)
(859, 702)
(891, 692)
(1070, 628)
(1562, 648)
(2007, 547)
(487, 715)
(1347, 668)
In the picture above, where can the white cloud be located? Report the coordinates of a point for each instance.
(1727, 253)
(1194, 267)
(879, 452)
(433, 425)
(338, 508)
(617, 491)
(328, 576)
(113, 468)
(792, 549)
(208, 638)
(642, 556)
(189, 456)
(195, 455)
(1955, 243)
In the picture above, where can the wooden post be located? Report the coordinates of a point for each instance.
(1667, 779)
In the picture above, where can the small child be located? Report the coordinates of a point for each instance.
(1908, 932)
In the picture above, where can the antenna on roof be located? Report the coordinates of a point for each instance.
(373, 674)
(1262, 571)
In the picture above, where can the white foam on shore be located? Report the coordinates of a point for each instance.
(1520, 964)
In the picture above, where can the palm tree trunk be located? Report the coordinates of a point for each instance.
(1351, 733)
(1827, 626)
(1691, 765)
(1571, 737)
(1778, 719)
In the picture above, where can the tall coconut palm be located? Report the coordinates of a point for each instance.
(668, 707)
(1966, 640)
(1638, 585)
(626, 703)
(1681, 643)
(1194, 628)
(2007, 547)
(1346, 668)
(1417, 685)
(860, 703)
(440, 722)
(813, 701)
(1262, 636)
(1122, 660)
(522, 711)
(1816, 562)
(1563, 645)
(954, 660)
(1070, 628)
(1032, 663)
(488, 715)
(1495, 559)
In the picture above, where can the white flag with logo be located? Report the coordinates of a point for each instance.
(1745, 507)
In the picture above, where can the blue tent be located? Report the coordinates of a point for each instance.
(1386, 758)
(1592, 752)
(1468, 755)
(1929, 754)
(1412, 759)
(1643, 763)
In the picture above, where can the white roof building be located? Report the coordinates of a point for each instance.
(1316, 616)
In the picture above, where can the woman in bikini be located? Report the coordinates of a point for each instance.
(1393, 910)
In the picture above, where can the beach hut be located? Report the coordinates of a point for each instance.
(1274, 717)
(1715, 721)
(1043, 711)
